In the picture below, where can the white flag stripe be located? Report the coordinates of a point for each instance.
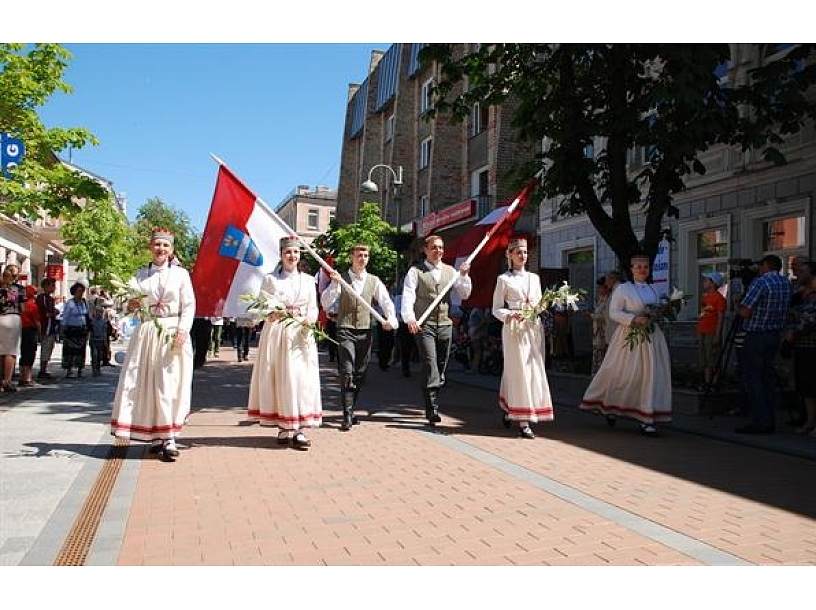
(266, 234)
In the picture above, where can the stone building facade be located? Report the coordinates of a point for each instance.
(308, 212)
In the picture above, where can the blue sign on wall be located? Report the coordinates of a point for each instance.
(11, 152)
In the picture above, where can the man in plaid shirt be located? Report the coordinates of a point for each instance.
(763, 309)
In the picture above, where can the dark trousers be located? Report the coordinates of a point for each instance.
(758, 357)
(241, 340)
(407, 347)
(331, 330)
(353, 354)
(386, 348)
(200, 336)
(98, 352)
(433, 343)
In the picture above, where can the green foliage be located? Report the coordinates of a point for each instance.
(665, 98)
(370, 229)
(156, 213)
(29, 75)
(100, 242)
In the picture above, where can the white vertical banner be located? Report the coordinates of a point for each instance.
(660, 269)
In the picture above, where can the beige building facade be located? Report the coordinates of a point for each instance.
(309, 212)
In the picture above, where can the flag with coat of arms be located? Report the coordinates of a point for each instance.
(239, 247)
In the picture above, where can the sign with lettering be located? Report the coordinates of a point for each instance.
(660, 269)
(55, 272)
(11, 153)
(451, 214)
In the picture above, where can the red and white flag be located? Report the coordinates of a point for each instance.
(240, 245)
(486, 267)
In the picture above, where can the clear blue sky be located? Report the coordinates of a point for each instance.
(273, 112)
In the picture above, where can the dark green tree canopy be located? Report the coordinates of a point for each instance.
(666, 98)
(157, 213)
(370, 229)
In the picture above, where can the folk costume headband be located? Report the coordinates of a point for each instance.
(516, 242)
(161, 233)
(290, 241)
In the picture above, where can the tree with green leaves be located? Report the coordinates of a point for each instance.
(369, 229)
(157, 213)
(40, 184)
(100, 242)
(665, 98)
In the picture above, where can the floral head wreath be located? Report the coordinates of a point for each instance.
(161, 233)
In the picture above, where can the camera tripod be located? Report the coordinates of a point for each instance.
(721, 366)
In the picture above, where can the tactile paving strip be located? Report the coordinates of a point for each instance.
(78, 542)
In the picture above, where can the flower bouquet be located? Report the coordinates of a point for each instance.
(666, 310)
(262, 308)
(564, 296)
(131, 291)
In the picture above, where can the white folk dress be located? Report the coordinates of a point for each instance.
(285, 386)
(524, 393)
(632, 383)
(155, 383)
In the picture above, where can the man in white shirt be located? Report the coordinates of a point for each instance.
(354, 325)
(423, 284)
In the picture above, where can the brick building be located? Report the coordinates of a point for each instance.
(453, 174)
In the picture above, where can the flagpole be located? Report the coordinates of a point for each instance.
(267, 210)
(475, 252)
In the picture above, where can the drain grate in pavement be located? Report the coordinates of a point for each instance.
(78, 542)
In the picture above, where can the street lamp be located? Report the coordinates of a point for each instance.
(369, 186)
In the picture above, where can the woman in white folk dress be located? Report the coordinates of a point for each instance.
(153, 396)
(285, 386)
(633, 383)
(524, 393)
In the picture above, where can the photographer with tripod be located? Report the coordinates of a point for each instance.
(763, 309)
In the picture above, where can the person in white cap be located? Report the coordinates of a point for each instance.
(709, 326)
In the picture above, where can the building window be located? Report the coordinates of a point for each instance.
(389, 128)
(424, 206)
(332, 216)
(313, 219)
(783, 233)
(712, 243)
(634, 157)
(425, 153)
(479, 116)
(712, 254)
(425, 96)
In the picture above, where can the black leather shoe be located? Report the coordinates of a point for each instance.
(611, 420)
(346, 425)
(283, 438)
(301, 442)
(505, 419)
(167, 456)
(170, 450)
(526, 432)
(354, 420)
(754, 429)
(648, 430)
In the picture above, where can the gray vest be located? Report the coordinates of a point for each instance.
(426, 292)
(350, 312)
